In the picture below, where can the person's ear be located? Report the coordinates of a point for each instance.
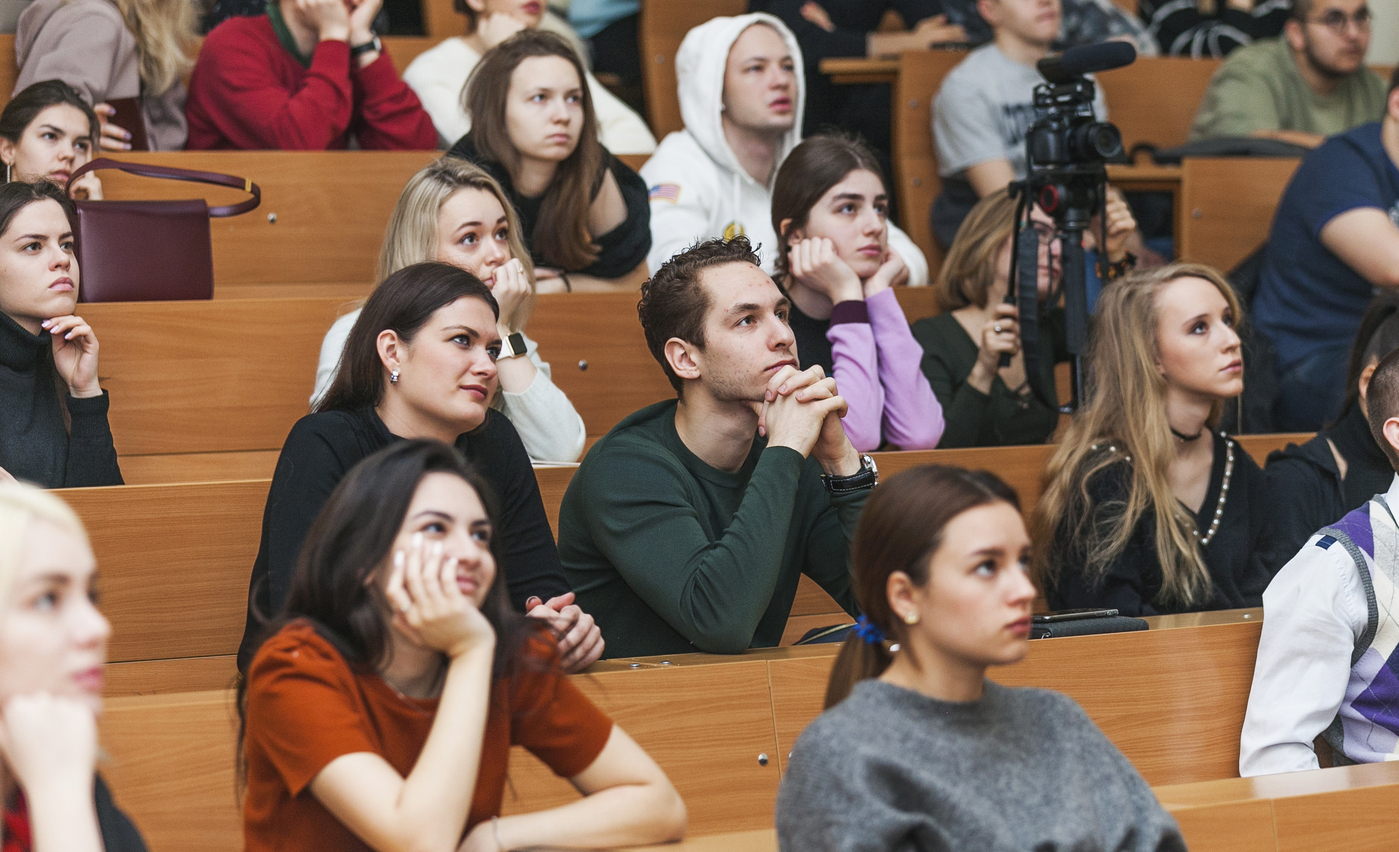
(902, 595)
(990, 11)
(391, 350)
(1295, 34)
(1365, 376)
(793, 236)
(684, 358)
(1391, 435)
(477, 6)
(1392, 104)
(7, 151)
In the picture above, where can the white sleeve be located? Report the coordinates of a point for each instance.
(547, 422)
(621, 130)
(675, 224)
(1314, 610)
(913, 256)
(438, 85)
(331, 347)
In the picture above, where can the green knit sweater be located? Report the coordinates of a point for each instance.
(671, 555)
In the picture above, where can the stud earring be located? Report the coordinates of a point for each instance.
(910, 618)
(393, 377)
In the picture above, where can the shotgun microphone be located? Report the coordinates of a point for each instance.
(1090, 58)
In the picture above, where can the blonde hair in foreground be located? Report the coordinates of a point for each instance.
(411, 236)
(164, 31)
(1123, 419)
(21, 505)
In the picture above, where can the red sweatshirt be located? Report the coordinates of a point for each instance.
(248, 92)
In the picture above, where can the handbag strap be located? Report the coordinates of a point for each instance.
(153, 171)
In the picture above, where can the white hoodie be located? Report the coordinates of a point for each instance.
(699, 190)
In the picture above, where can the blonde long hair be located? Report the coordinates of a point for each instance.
(969, 269)
(21, 504)
(1123, 420)
(164, 32)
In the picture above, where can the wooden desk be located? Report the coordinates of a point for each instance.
(850, 70)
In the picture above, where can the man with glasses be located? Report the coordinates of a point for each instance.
(1310, 84)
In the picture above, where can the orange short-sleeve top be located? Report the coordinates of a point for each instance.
(306, 707)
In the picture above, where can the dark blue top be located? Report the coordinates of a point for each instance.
(1308, 298)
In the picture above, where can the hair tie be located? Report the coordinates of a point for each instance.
(867, 631)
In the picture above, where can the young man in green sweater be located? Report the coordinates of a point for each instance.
(688, 526)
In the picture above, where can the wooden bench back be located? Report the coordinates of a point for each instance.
(663, 26)
(1227, 206)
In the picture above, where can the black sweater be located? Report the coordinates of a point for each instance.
(35, 445)
(1306, 486)
(118, 832)
(1235, 555)
(621, 249)
(323, 447)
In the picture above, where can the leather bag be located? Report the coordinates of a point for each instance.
(141, 251)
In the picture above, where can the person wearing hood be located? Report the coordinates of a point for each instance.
(1316, 483)
(110, 50)
(742, 96)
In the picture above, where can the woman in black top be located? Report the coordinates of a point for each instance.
(533, 128)
(1316, 484)
(53, 412)
(53, 644)
(1148, 508)
(419, 363)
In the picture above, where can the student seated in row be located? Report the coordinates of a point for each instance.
(54, 432)
(380, 710)
(1325, 662)
(306, 76)
(439, 75)
(53, 645)
(1343, 466)
(917, 749)
(830, 206)
(1301, 88)
(688, 527)
(114, 50)
(742, 96)
(49, 131)
(983, 403)
(419, 363)
(534, 129)
(1206, 29)
(1148, 508)
(453, 212)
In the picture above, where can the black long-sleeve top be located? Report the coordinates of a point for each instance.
(323, 447)
(1235, 555)
(1181, 30)
(35, 445)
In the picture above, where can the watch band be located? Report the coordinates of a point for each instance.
(512, 346)
(866, 478)
(358, 50)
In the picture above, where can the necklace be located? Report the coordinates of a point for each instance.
(1183, 437)
(1223, 492)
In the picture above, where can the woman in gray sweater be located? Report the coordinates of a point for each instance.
(917, 750)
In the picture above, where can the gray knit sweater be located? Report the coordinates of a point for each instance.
(1019, 770)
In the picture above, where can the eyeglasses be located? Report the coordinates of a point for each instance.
(1335, 20)
(1047, 234)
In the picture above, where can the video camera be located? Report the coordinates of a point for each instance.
(1067, 151)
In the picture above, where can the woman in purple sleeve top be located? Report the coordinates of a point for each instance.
(830, 208)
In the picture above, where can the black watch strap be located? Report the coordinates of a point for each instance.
(866, 478)
(358, 50)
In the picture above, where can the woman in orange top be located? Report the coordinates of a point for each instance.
(381, 714)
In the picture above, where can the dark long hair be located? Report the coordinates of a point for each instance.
(403, 303)
(37, 97)
(1377, 336)
(561, 235)
(900, 530)
(817, 164)
(334, 586)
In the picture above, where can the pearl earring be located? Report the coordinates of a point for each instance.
(910, 618)
(393, 377)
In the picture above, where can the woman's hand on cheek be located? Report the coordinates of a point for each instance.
(814, 263)
(511, 291)
(423, 592)
(74, 354)
(892, 273)
(86, 188)
(49, 741)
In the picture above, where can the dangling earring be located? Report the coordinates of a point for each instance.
(7, 173)
(910, 618)
(393, 377)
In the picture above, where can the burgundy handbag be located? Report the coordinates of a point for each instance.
(141, 251)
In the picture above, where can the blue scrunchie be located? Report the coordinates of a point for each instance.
(867, 631)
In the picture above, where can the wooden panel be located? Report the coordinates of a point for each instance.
(9, 68)
(198, 467)
(705, 726)
(798, 691)
(914, 157)
(918, 302)
(812, 600)
(316, 236)
(154, 677)
(175, 561)
(1259, 446)
(1227, 206)
(1230, 827)
(553, 482)
(762, 840)
(663, 26)
(1356, 820)
(172, 769)
(216, 376)
(1197, 680)
(404, 49)
(441, 20)
(1154, 99)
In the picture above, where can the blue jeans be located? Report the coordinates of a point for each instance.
(1310, 392)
